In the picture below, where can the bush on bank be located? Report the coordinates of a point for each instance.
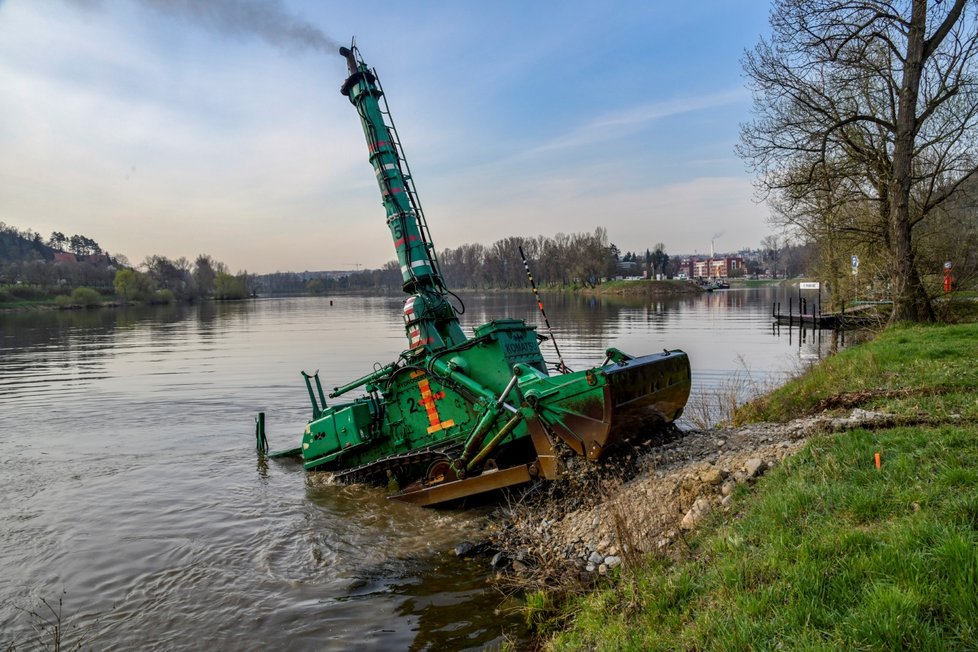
(79, 298)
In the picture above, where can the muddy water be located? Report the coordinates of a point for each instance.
(132, 491)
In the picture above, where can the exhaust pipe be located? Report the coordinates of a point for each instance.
(351, 60)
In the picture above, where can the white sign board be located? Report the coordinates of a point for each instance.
(855, 264)
(809, 286)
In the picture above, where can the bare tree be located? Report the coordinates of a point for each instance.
(659, 259)
(866, 107)
(204, 274)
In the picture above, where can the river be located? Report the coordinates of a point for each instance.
(132, 493)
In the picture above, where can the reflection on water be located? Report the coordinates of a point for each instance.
(130, 480)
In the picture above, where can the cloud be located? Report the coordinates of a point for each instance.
(154, 137)
(616, 125)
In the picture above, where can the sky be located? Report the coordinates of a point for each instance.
(181, 127)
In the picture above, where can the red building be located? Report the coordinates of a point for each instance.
(715, 267)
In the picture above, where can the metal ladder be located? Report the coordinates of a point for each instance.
(408, 181)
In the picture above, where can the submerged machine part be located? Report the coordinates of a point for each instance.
(456, 416)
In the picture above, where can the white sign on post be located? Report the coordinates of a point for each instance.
(808, 286)
(855, 264)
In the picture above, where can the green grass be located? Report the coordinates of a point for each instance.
(643, 286)
(30, 297)
(754, 282)
(933, 365)
(828, 552)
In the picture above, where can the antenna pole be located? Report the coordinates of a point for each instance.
(562, 368)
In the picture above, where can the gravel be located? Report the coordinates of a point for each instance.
(596, 516)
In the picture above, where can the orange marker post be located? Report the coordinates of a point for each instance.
(877, 460)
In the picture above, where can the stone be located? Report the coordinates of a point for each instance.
(499, 560)
(711, 477)
(695, 514)
(728, 488)
(612, 561)
(590, 567)
(727, 500)
(596, 558)
(754, 467)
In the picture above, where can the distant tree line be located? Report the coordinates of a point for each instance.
(26, 257)
(162, 279)
(655, 261)
(583, 259)
(564, 260)
(387, 278)
(30, 245)
(34, 267)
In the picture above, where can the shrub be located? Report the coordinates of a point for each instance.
(131, 285)
(162, 297)
(26, 292)
(86, 297)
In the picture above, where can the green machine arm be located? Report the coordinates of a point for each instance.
(415, 253)
(430, 319)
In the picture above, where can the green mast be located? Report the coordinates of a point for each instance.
(429, 318)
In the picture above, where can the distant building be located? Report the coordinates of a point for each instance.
(99, 260)
(714, 267)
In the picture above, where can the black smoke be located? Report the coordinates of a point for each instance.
(268, 20)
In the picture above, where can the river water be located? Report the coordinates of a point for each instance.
(132, 492)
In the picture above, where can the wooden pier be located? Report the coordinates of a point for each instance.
(813, 317)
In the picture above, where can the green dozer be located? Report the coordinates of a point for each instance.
(459, 415)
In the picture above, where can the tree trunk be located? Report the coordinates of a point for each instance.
(910, 302)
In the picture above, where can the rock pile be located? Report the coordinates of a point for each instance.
(587, 522)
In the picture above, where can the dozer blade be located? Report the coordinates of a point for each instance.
(595, 409)
(488, 481)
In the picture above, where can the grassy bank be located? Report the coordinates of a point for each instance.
(828, 551)
(754, 282)
(645, 288)
(22, 297)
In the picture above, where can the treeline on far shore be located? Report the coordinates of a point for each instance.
(76, 272)
(565, 260)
